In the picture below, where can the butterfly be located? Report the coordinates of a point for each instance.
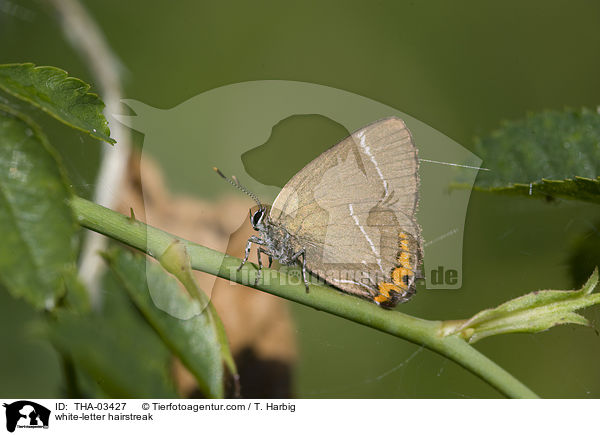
(348, 217)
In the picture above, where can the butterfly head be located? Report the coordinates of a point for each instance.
(258, 217)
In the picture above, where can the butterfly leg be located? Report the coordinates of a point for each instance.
(252, 239)
(259, 253)
(295, 257)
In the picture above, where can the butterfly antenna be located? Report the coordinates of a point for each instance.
(235, 183)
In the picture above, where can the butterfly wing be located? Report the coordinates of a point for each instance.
(348, 207)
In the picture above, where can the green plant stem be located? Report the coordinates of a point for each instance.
(423, 332)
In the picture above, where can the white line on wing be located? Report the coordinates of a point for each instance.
(367, 149)
(362, 230)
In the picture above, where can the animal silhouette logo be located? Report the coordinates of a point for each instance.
(26, 414)
(241, 117)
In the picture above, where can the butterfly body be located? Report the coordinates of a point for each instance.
(274, 241)
(348, 217)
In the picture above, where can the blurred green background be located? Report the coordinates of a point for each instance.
(462, 67)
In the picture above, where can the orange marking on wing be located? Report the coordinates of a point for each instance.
(404, 260)
(381, 299)
(385, 288)
(404, 246)
(398, 277)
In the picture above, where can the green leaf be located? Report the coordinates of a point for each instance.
(547, 154)
(198, 340)
(176, 260)
(37, 224)
(77, 297)
(52, 90)
(115, 351)
(533, 312)
(579, 188)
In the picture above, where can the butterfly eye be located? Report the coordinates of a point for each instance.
(256, 217)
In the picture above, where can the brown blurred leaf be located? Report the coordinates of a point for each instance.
(258, 325)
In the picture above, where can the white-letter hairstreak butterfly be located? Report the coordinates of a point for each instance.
(348, 216)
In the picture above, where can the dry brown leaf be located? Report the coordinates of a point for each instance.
(258, 325)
